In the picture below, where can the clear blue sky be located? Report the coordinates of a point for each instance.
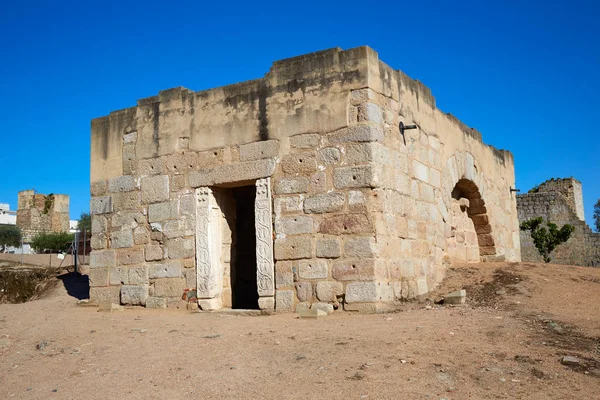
(525, 73)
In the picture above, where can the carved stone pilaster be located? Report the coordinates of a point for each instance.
(207, 257)
(263, 213)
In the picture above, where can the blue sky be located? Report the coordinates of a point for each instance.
(525, 73)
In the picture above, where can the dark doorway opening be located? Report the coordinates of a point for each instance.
(244, 294)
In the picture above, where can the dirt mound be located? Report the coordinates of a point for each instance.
(20, 283)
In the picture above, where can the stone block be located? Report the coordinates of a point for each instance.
(181, 248)
(102, 259)
(284, 300)
(126, 201)
(98, 241)
(324, 203)
(130, 138)
(359, 96)
(284, 276)
(98, 277)
(119, 276)
(346, 224)
(163, 211)
(169, 269)
(318, 182)
(152, 166)
(420, 171)
(329, 291)
(156, 302)
(291, 185)
(369, 175)
(294, 225)
(328, 248)
(259, 150)
(125, 183)
(237, 172)
(155, 189)
(304, 291)
(361, 292)
(313, 269)
(169, 287)
(130, 256)
(329, 156)
(305, 141)
(266, 303)
(99, 224)
(354, 270)
(125, 220)
(154, 252)
(328, 308)
(138, 275)
(299, 163)
(134, 295)
(360, 247)
(357, 133)
(105, 294)
(293, 248)
(101, 205)
(190, 278)
(361, 153)
(369, 112)
(98, 188)
(288, 205)
(457, 297)
(121, 239)
(141, 235)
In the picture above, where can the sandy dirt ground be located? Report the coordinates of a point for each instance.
(507, 342)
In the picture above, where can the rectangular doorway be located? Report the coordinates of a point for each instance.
(234, 247)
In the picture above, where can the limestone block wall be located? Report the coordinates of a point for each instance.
(362, 216)
(554, 202)
(38, 213)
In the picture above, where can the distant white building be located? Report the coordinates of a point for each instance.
(73, 225)
(6, 215)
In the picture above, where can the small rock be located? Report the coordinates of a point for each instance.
(139, 330)
(300, 357)
(457, 297)
(403, 361)
(42, 345)
(358, 376)
(312, 313)
(570, 360)
(212, 336)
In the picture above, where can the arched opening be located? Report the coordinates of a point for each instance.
(467, 199)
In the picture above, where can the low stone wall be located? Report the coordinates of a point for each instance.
(50, 260)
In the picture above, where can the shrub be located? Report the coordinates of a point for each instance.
(54, 242)
(10, 235)
(546, 240)
(85, 222)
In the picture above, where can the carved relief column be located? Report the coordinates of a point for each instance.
(265, 267)
(208, 266)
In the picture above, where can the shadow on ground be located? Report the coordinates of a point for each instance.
(77, 285)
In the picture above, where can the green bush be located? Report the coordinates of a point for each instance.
(546, 240)
(55, 242)
(10, 235)
(85, 222)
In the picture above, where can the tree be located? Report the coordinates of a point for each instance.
(54, 242)
(597, 215)
(85, 222)
(10, 235)
(546, 240)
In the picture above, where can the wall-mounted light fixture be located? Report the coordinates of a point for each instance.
(404, 128)
(514, 190)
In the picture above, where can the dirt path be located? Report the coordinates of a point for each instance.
(506, 343)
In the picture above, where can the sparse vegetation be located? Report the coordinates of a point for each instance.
(52, 242)
(597, 215)
(546, 240)
(534, 189)
(85, 222)
(48, 202)
(10, 235)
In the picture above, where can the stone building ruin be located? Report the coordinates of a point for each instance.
(298, 189)
(38, 213)
(559, 201)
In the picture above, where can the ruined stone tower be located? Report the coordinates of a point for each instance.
(39, 213)
(296, 189)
